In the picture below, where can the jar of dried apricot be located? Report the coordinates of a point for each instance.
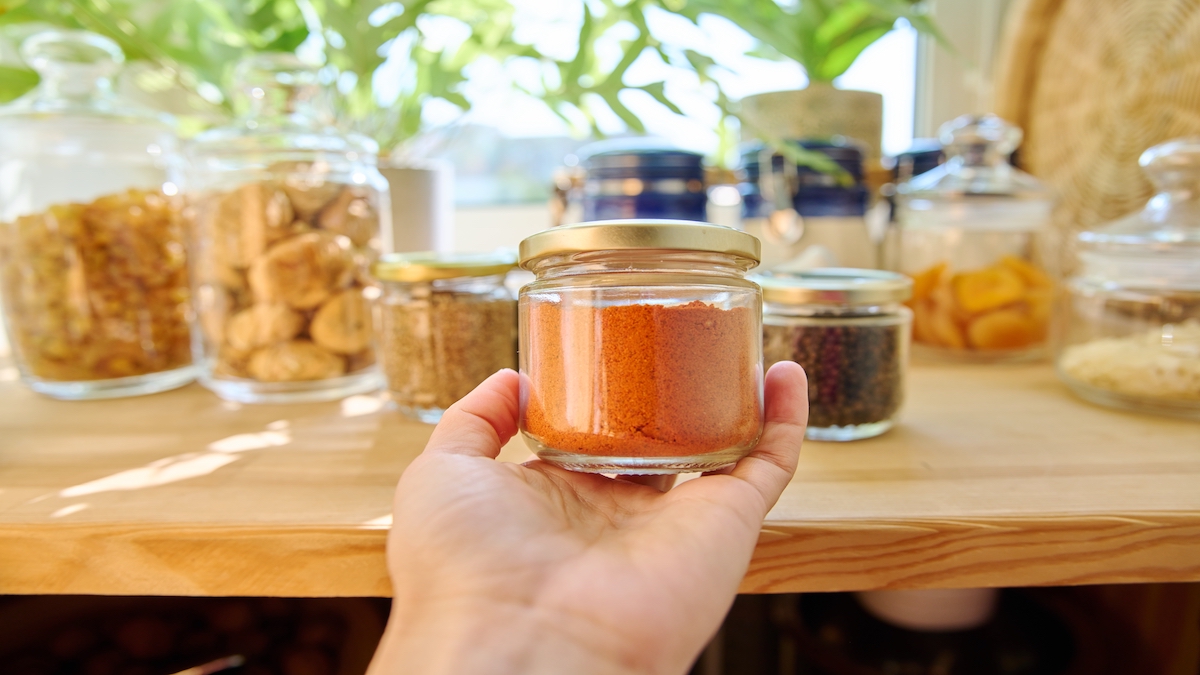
(285, 215)
(92, 254)
(970, 237)
(641, 346)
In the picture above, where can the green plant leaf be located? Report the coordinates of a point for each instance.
(15, 82)
(841, 57)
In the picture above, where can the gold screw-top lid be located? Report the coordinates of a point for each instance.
(835, 286)
(640, 234)
(429, 266)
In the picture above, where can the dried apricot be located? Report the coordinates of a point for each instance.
(946, 330)
(924, 282)
(1029, 273)
(1004, 329)
(987, 289)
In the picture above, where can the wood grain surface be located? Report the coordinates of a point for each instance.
(996, 477)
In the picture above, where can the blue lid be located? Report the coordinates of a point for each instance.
(816, 194)
(642, 178)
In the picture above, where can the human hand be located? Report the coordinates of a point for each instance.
(530, 568)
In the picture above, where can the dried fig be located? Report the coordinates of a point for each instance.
(247, 221)
(351, 214)
(263, 325)
(307, 186)
(303, 270)
(295, 361)
(343, 324)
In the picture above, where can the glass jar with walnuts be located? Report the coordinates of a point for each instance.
(92, 254)
(285, 215)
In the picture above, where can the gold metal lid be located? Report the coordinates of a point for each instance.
(634, 234)
(429, 266)
(835, 286)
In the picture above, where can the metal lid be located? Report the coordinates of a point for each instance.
(835, 286)
(640, 234)
(429, 266)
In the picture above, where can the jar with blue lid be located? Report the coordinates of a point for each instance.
(643, 180)
(792, 207)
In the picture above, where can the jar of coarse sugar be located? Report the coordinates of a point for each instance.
(849, 330)
(641, 346)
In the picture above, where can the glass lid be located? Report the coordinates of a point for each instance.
(76, 70)
(281, 108)
(1171, 219)
(977, 150)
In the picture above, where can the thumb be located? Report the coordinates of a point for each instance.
(482, 422)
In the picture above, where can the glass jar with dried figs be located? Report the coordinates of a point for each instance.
(285, 215)
(92, 254)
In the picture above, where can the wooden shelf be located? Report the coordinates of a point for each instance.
(996, 477)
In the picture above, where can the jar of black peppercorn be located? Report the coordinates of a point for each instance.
(849, 330)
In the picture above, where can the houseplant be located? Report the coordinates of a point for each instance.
(825, 37)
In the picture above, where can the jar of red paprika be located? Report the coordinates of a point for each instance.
(641, 346)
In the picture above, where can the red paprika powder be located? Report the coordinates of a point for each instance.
(643, 380)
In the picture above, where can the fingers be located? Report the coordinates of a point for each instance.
(770, 466)
(482, 422)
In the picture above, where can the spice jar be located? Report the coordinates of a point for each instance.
(794, 207)
(643, 179)
(92, 254)
(286, 218)
(1132, 314)
(444, 324)
(641, 346)
(850, 332)
(969, 236)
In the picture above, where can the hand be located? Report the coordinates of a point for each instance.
(529, 568)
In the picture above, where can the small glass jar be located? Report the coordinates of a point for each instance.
(969, 236)
(443, 324)
(1131, 335)
(286, 216)
(92, 254)
(798, 210)
(641, 346)
(850, 331)
(646, 180)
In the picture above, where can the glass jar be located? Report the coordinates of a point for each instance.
(443, 324)
(641, 346)
(629, 179)
(849, 330)
(797, 210)
(286, 217)
(969, 236)
(1132, 313)
(92, 261)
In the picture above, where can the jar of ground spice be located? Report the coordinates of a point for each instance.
(641, 349)
(443, 325)
(849, 330)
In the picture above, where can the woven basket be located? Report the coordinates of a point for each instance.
(1094, 83)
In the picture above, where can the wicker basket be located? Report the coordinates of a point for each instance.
(1094, 83)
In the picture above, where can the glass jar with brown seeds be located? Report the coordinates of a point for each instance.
(848, 330)
(444, 324)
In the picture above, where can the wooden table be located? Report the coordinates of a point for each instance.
(996, 477)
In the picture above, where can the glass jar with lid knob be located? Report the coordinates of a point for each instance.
(286, 214)
(92, 254)
(970, 237)
(1131, 335)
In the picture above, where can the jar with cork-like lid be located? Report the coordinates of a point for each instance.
(93, 263)
(641, 346)
(1131, 319)
(287, 214)
(444, 324)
